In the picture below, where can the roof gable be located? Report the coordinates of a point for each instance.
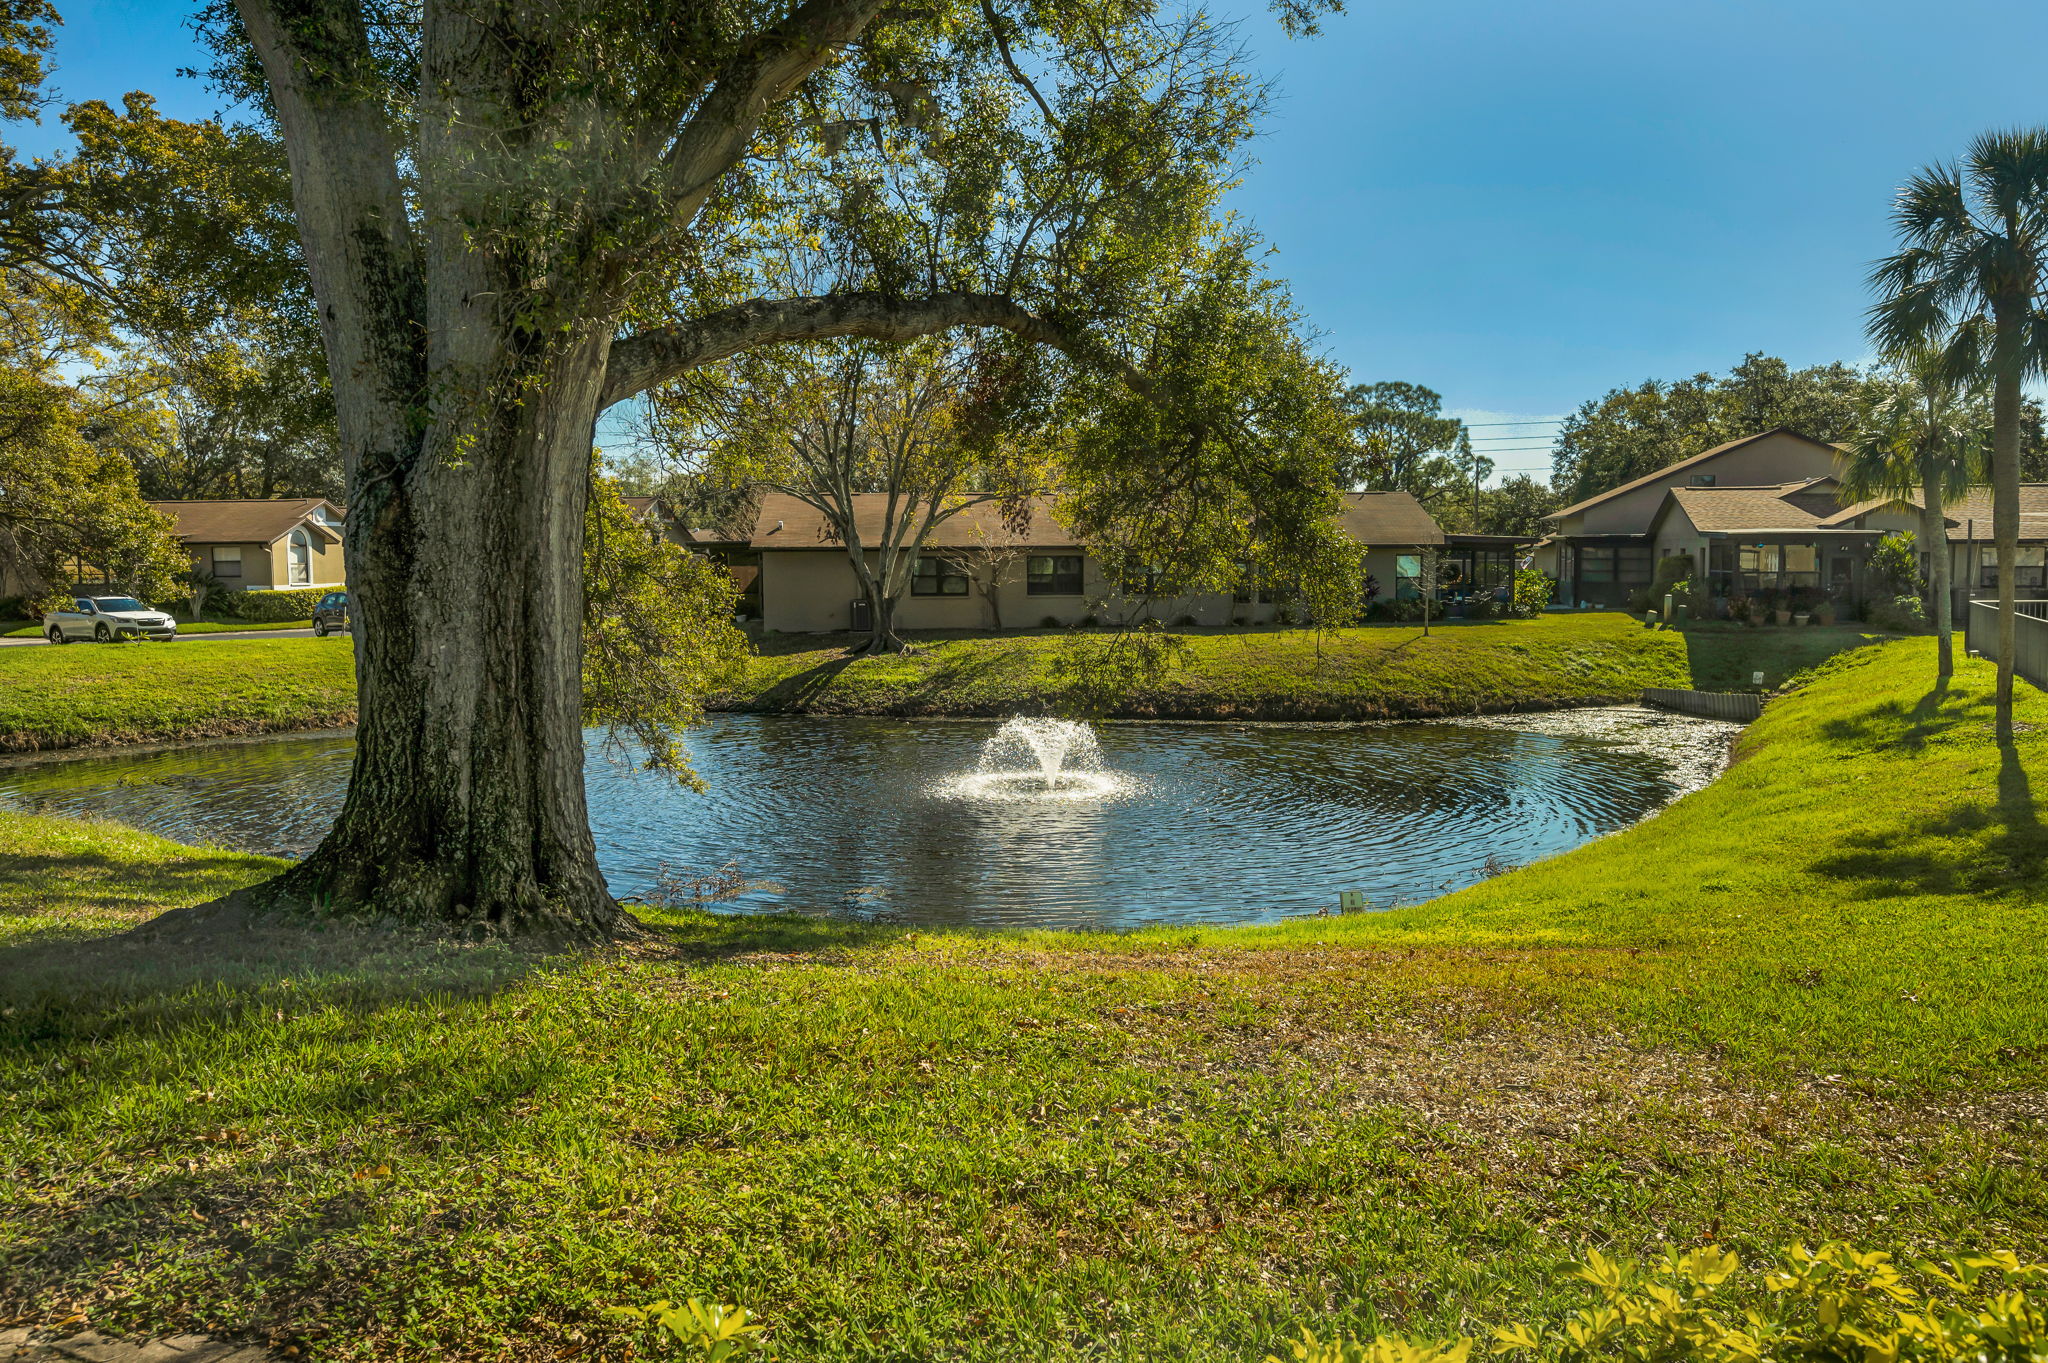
(1651, 479)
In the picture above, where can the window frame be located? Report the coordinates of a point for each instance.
(216, 562)
(2025, 576)
(935, 583)
(1055, 580)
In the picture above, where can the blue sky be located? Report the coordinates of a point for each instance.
(1523, 205)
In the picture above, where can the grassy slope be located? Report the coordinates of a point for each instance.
(1809, 1000)
(1371, 672)
(62, 697)
(124, 693)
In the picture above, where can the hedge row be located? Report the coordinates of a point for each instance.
(266, 608)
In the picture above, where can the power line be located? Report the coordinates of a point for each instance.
(1546, 421)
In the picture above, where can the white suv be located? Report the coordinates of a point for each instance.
(107, 618)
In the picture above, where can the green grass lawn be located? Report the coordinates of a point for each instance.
(1809, 1000)
(30, 629)
(1376, 671)
(135, 692)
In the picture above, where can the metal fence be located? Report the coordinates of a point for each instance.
(2030, 636)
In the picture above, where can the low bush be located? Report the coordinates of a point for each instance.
(1534, 589)
(267, 608)
(1898, 614)
(1831, 1303)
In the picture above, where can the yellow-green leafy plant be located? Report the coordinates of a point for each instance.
(709, 1331)
(1835, 1303)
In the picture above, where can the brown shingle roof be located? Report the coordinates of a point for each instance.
(1669, 469)
(256, 521)
(785, 522)
(1388, 518)
(1961, 512)
(1742, 508)
(1970, 514)
(1807, 505)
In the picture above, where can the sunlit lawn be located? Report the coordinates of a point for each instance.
(1809, 1000)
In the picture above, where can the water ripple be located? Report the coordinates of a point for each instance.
(1181, 822)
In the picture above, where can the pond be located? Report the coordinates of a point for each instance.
(1204, 823)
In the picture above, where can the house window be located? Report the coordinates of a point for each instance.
(301, 558)
(2030, 569)
(937, 577)
(227, 560)
(1407, 577)
(1627, 564)
(1777, 567)
(1140, 582)
(1052, 575)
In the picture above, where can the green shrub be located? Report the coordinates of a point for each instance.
(1834, 1303)
(1896, 564)
(1534, 589)
(267, 608)
(1898, 615)
(1671, 570)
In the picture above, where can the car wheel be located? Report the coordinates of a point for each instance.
(319, 629)
(101, 634)
(56, 634)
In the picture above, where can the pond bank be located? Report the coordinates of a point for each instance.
(109, 695)
(1552, 662)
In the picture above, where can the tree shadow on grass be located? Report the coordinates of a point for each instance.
(1894, 724)
(1980, 848)
(795, 692)
(65, 989)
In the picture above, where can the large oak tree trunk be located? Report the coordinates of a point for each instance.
(466, 806)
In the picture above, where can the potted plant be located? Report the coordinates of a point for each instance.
(1824, 613)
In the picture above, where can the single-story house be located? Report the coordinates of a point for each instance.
(1789, 535)
(980, 571)
(262, 544)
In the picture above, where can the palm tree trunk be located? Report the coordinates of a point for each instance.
(2005, 510)
(1934, 534)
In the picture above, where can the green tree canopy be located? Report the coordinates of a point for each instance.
(69, 510)
(1630, 432)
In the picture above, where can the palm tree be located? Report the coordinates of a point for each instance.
(1924, 436)
(1968, 280)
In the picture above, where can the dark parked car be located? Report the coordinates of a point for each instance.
(331, 614)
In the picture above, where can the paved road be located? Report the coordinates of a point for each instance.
(186, 638)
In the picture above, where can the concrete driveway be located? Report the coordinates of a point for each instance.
(185, 638)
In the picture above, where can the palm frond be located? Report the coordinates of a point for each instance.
(1932, 205)
(1911, 316)
(2008, 171)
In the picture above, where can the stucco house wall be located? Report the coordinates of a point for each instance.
(256, 563)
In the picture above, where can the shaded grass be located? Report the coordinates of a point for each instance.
(1808, 1000)
(136, 692)
(1372, 672)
